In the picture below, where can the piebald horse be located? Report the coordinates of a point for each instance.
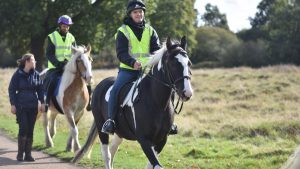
(72, 97)
(146, 114)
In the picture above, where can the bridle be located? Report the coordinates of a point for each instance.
(171, 83)
(80, 62)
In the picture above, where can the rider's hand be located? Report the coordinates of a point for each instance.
(137, 65)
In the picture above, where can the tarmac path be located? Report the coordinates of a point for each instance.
(8, 153)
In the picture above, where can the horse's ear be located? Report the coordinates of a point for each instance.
(183, 42)
(74, 49)
(88, 48)
(169, 43)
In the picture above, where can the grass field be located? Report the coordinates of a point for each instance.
(239, 118)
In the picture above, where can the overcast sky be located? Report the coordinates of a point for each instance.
(237, 11)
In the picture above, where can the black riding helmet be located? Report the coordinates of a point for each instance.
(135, 4)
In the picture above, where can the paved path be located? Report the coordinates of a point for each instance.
(8, 152)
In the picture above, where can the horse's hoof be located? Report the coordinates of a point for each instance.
(158, 167)
(77, 149)
(68, 149)
(49, 144)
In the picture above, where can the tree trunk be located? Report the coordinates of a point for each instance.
(37, 48)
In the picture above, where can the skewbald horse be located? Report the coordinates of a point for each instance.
(72, 97)
(147, 112)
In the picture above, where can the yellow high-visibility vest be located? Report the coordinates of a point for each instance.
(140, 50)
(63, 49)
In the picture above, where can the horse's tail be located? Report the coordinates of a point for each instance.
(87, 147)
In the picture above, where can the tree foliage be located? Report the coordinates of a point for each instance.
(213, 43)
(26, 24)
(213, 17)
(175, 18)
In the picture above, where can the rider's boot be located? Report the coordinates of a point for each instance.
(173, 130)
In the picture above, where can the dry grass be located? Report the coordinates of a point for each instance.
(238, 97)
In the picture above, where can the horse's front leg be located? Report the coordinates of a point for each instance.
(149, 151)
(157, 149)
(114, 147)
(104, 138)
(53, 124)
(73, 136)
(48, 139)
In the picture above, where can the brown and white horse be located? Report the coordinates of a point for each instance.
(72, 97)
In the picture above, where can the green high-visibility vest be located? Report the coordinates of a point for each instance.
(140, 50)
(63, 49)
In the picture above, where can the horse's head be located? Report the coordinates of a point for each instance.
(83, 60)
(176, 65)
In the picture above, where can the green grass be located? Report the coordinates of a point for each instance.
(238, 118)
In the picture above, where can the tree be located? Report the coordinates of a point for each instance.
(284, 32)
(175, 18)
(213, 43)
(263, 14)
(213, 17)
(26, 24)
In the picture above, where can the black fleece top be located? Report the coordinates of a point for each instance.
(122, 41)
(25, 89)
(50, 52)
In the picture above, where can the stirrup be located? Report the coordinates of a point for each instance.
(173, 130)
(105, 127)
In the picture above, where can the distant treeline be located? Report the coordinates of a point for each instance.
(274, 37)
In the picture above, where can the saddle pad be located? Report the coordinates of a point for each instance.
(57, 87)
(125, 94)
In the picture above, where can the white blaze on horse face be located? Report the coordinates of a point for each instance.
(88, 73)
(187, 83)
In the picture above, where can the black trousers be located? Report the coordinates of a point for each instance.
(26, 118)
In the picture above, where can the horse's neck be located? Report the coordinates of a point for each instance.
(158, 86)
(68, 78)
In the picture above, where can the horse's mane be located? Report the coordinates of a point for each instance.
(156, 56)
(70, 70)
(71, 65)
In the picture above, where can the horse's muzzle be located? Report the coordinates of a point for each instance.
(186, 95)
(88, 79)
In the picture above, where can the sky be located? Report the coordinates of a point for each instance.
(237, 11)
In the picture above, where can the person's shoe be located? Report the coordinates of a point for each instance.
(20, 157)
(21, 148)
(108, 127)
(28, 149)
(173, 130)
(29, 158)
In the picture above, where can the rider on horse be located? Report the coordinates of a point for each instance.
(59, 52)
(135, 40)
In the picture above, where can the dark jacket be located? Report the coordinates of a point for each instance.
(122, 41)
(25, 89)
(50, 52)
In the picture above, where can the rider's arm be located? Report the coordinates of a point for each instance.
(122, 50)
(154, 42)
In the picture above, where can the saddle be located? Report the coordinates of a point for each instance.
(127, 95)
(53, 93)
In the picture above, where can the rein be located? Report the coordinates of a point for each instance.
(171, 85)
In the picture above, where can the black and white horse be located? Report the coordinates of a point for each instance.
(147, 112)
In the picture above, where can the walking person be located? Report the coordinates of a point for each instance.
(59, 51)
(135, 41)
(25, 92)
